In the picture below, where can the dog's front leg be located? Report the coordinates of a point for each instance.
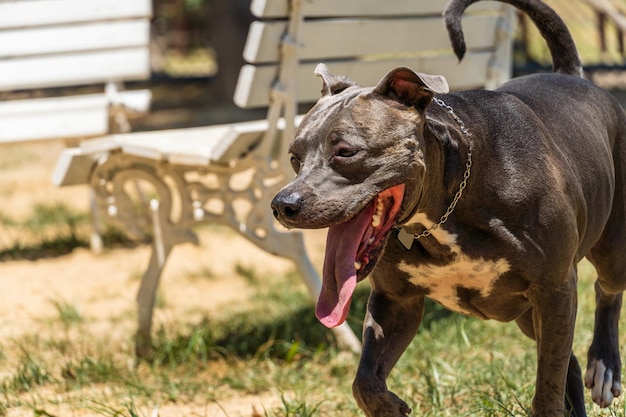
(390, 325)
(554, 316)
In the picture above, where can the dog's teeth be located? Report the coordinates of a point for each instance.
(369, 242)
(376, 220)
(378, 215)
(380, 206)
(357, 265)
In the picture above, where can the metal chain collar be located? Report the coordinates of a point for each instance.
(466, 175)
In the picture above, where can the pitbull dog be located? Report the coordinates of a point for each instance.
(484, 201)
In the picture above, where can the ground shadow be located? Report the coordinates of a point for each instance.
(248, 335)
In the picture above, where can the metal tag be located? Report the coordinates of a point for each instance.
(406, 238)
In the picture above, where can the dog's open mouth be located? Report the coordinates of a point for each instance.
(352, 248)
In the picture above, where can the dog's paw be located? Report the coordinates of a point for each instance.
(385, 404)
(390, 405)
(402, 408)
(602, 382)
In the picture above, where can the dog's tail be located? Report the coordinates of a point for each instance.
(565, 59)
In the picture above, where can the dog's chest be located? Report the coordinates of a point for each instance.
(450, 284)
(461, 279)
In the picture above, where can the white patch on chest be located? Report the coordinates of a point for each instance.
(443, 280)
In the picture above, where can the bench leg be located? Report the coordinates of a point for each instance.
(346, 339)
(145, 303)
(161, 248)
(95, 241)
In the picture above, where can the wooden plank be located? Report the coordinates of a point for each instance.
(236, 141)
(63, 117)
(340, 38)
(27, 13)
(253, 86)
(36, 119)
(74, 38)
(74, 69)
(324, 8)
(199, 142)
(196, 146)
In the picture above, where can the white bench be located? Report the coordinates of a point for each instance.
(65, 43)
(228, 174)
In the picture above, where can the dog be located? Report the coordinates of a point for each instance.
(483, 201)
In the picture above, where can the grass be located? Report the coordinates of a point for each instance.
(295, 408)
(456, 366)
(68, 312)
(51, 230)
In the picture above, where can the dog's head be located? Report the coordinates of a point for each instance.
(358, 158)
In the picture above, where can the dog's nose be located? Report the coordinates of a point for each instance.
(285, 206)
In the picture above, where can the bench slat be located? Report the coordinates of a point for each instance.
(27, 13)
(74, 38)
(322, 8)
(53, 118)
(196, 146)
(190, 146)
(332, 38)
(254, 81)
(199, 146)
(74, 69)
(63, 117)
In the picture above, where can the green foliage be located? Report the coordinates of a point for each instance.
(55, 214)
(280, 325)
(194, 5)
(248, 273)
(68, 313)
(29, 374)
(294, 408)
(52, 230)
(90, 370)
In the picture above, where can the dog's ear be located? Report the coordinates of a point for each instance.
(331, 83)
(411, 88)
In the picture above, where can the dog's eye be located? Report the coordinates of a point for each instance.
(345, 152)
(295, 164)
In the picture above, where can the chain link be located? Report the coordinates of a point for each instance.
(466, 175)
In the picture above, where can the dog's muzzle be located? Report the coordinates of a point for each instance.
(286, 206)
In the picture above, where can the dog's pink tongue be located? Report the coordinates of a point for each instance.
(339, 275)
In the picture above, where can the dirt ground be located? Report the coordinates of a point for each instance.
(103, 286)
